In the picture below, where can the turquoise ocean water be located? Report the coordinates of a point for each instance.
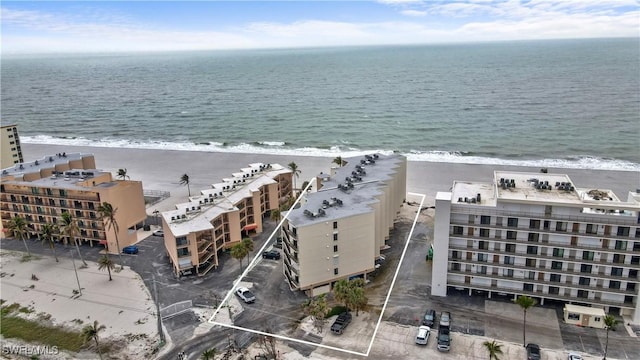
(563, 103)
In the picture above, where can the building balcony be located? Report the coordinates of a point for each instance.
(565, 298)
(630, 249)
(475, 265)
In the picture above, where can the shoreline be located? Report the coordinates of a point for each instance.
(162, 169)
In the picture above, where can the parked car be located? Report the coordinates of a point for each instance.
(445, 319)
(158, 232)
(271, 254)
(533, 352)
(422, 338)
(341, 323)
(574, 356)
(444, 339)
(131, 249)
(429, 318)
(246, 295)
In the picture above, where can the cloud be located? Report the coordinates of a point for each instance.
(416, 13)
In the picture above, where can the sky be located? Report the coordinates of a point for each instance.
(115, 26)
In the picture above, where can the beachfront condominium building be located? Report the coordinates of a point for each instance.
(10, 150)
(338, 231)
(219, 217)
(42, 190)
(538, 234)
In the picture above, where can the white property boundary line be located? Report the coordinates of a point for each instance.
(258, 254)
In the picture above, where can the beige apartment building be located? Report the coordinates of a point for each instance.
(10, 150)
(40, 191)
(219, 217)
(338, 231)
(540, 235)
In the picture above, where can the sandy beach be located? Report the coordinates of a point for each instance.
(162, 169)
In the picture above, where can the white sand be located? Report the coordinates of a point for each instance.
(123, 305)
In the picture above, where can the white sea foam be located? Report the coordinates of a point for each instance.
(278, 148)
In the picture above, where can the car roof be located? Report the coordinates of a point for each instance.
(423, 327)
(242, 288)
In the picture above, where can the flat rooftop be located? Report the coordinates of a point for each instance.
(537, 188)
(349, 192)
(47, 162)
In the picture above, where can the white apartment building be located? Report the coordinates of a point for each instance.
(537, 234)
(219, 217)
(338, 231)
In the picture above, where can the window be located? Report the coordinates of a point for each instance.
(531, 275)
(614, 284)
(621, 245)
(512, 222)
(534, 224)
(592, 229)
(483, 269)
(527, 287)
(63, 203)
(635, 260)
(546, 225)
(63, 192)
(531, 262)
(335, 237)
(183, 252)
(584, 281)
(509, 260)
(510, 248)
(584, 268)
(623, 231)
(485, 220)
(561, 226)
(484, 233)
(532, 250)
(573, 316)
(181, 241)
(554, 290)
(335, 224)
(583, 294)
(457, 230)
(587, 255)
(455, 266)
(616, 271)
(507, 272)
(619, 259)
(554, 278)
(512, 235)
(335, 248)
(534, 237)
(557, 252)
(483, 257)
(335, 271)
(455, 254)
(556, 265)
(484, 245)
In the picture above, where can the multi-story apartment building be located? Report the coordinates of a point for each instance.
(10, 150)
(40, 191)
(219, 217)
(338, 231)
(539, 235)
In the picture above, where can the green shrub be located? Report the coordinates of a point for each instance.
(336, 310)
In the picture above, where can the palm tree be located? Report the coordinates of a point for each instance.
(494, 349)
(122, 174)
(248, 245)
(90, 332)
(105, 262)
(47, 234)
(184, 180)
(69, 227)
(609, 322)
(209, 354)
(296, 173)
(238, 252)
(339, 161)
(275, 215)
(108, 214)
(20, 229)
(525, 303)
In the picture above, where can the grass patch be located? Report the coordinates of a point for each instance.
(32, 332)
(26, 310)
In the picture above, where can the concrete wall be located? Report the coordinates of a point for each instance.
(441, 244)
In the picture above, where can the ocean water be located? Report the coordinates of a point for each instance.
(562, 103)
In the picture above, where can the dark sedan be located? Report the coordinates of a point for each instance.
(271, 254)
